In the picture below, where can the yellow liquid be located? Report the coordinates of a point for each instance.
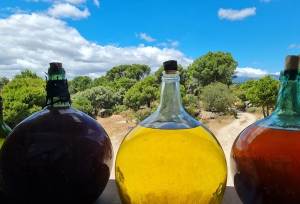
(157, 166)
(1, 142)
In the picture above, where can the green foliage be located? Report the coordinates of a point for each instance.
(240, 105)
(83, 105)
(119, 109)
(193, 111)
(124, 83)
(241, 92)
(213, 67)
(26, 74)
(141, 115)
(128, 115)
(3, 82)
(80, 83)
(252, 110)
(101, 81)
(264, 93)
(217, 97)
(190, 100)
(142, 93)
(134, 71)
(100, 97)
(23, 97)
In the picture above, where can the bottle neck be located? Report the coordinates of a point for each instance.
(170, 114)
(288, 99)
(170, 97)
(57, 91)
(287, 111)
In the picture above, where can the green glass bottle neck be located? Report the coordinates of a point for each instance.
(57, 91)
(288, 99)
(170, 114)
(287, 111)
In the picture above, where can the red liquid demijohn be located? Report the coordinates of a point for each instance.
(265, 157)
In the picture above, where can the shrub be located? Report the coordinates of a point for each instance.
(251, 110)
(141, 115)
(119, 109)
(240, 105)
(128, 115)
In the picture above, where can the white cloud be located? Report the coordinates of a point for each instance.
(172, 43)
(146, 37)
(97, 3)
(175, 43)
(251, 72)
(255, 62)
(265, 1)
(231, 14)
(32, 41)
(75, 1)
(14, 10)
(67, 11)
(293, 46)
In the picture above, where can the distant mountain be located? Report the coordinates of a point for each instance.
(242, 79)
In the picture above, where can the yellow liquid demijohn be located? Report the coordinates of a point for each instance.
(181, 166)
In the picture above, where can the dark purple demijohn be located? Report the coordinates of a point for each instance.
(58, 155)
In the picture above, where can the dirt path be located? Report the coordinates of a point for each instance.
(229, 133)
(226, 137)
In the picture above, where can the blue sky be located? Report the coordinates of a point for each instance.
(91, 36)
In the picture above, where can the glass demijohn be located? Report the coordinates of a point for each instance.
(58, 155)
(265, 157)
(170, 157)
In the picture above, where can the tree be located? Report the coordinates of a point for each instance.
(213, 67)
(27, 74)
(100, 97)
(264, 93)
(217, 97)
(83, 105)
(3, 82)
(101, 81)
(137, 71)
(134, 71)
(23, 97)
(142, 93)
(80, 83)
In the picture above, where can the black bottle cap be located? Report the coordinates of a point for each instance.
(291, 62)
(55, 68)
(170, 65)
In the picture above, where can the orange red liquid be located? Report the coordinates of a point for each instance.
(265, 165)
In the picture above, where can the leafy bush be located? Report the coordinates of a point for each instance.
(83, 105)
(128, 115)
(251, 110)
(119, 109)
(141, 115)
(217, 97)
(240, 105)
(193, 111)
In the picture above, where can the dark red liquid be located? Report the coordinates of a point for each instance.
(265, 164)
(58, 155)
